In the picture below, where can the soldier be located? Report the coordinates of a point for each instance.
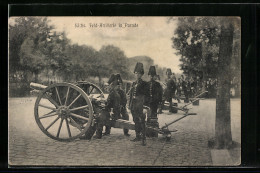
(154, 99)
(123, 101)
(170, 89)
(112, 108)
(160, 106)
(184, 85)
(138, 94)
(178, 88)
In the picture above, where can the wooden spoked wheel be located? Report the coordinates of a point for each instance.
(63, 111)
(92, 90)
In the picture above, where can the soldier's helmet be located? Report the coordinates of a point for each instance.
(139, 68)
(119, 79)
(169, 71)
(113, 79)
(152, 71)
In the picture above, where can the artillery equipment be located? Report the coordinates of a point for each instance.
(67, 111)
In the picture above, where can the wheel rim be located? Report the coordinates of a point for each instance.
(63, 111)
(90, 89)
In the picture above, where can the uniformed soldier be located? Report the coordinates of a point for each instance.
(178, 89)
(184, 88)
(188, 84)
(112, 108)
(123, 101)
(155, 92)
(170, 89)
(154, 100)
(193, 85)
(138, 96)
(160, 106)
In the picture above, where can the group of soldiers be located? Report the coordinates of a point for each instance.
(142, 95)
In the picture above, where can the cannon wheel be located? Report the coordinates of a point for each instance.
(90, 89)
(69, 111)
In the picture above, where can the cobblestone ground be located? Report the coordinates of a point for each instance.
(188, 146)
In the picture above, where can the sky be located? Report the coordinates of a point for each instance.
(151, 38)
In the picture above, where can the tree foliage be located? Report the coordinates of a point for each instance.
(196, 40)
(39, 53)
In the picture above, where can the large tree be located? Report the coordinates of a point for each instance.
(211, 46)
(28, 37)
(196, 40)
(223, 136)
(113, 60)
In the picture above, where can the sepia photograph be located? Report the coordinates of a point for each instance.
(124, 91)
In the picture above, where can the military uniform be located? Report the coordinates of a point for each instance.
(111, 111)
(137, 101)
(178, 88)
(123, 101)
(170, 89)
(155, 93)
(138, 97)
(154, 100)
(184, 86)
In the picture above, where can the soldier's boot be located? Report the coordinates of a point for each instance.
(126, 132)
(98, 134)
(107, 131)
(83, 137)
(137, 138)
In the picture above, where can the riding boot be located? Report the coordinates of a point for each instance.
(107, 131)
(137, 138)
(98, 134)
(137, 132)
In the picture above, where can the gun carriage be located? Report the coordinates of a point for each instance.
(66, 111)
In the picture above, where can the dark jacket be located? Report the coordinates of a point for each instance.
(123, 99)
(155, 92)
(170, 88)
(139, 88)
(113, 102)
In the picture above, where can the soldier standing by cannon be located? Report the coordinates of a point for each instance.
(138, 94)
(154, 99)
(170, 89)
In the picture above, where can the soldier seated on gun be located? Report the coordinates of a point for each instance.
(112, 108)
(123, 101)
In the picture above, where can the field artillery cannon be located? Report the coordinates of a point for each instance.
(67, 111)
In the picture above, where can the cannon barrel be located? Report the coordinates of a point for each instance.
(37, 86)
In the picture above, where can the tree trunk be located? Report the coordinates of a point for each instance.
(223, 136)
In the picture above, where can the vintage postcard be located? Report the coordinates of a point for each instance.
(124, 91)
